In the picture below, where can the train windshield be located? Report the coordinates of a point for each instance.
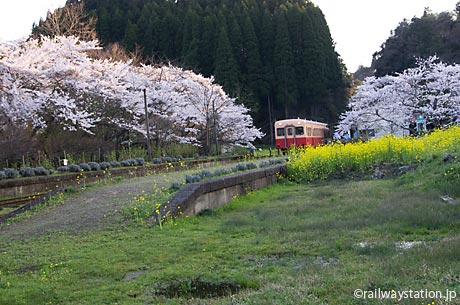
(280, 132)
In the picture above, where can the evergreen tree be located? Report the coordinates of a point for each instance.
(130, 38)
(283, 62)
(236, 40)
(226, 71)
(118, 25)
(252, 63)
(208, 43)
(264, 52)
(190, 40)
(431, 34)
(103, 25)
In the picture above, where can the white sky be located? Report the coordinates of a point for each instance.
(358, 27)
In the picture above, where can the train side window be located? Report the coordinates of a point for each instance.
(280, 132)
(318, 132)
(289, 131)
(299, 131)
(308, 131)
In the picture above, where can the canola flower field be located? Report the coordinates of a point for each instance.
(337, 159)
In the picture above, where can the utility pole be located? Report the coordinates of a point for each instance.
(215, 126)
(147, 125)
(270, 119)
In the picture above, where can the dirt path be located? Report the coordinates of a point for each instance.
(89, 209)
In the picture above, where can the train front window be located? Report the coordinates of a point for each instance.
(289, 131)
(308, 132)
(299, 131)
(280, 132)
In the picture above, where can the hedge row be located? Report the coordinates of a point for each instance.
(94, 166)
(11, 173)
(204, 174)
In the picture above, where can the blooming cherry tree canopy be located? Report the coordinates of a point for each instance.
(390, 103)
(55, 80)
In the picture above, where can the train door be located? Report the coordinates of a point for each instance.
(290, 136)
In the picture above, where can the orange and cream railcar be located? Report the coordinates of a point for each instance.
(299, 132)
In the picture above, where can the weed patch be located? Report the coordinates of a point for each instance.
(286, 244)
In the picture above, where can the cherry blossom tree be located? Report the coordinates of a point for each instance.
(393, 103)
(55, 81)
(38, 81)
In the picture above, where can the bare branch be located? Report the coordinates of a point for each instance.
(70, 20)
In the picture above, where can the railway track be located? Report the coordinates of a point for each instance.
(20, 204)
(17, 201)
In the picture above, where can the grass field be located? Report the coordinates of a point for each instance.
(286, 244)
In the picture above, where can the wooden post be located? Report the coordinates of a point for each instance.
(147, 125)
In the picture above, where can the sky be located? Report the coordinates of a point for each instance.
(358, 27)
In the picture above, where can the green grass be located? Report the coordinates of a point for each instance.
(286, 244)
(7, 209)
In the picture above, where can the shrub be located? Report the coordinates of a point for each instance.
(115, 164)
(63, 169)
(140, 161)
(129, 162)
(2, 175)
(94, 166)
(192, 178)
(11, 173)
(205, 174)
(175, 186)
(41, 171)
(264, 164)
(277, 161)
(85, 167)
(74, 168)
(156, 160)
(167, 159)
(105, 165)
(225, 171)
(27, 172)
(196, 178)
(251, 166)
(241, 167)
(218, 173)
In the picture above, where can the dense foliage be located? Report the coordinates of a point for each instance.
(272, 55)
(339, 160)
(431, 34)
